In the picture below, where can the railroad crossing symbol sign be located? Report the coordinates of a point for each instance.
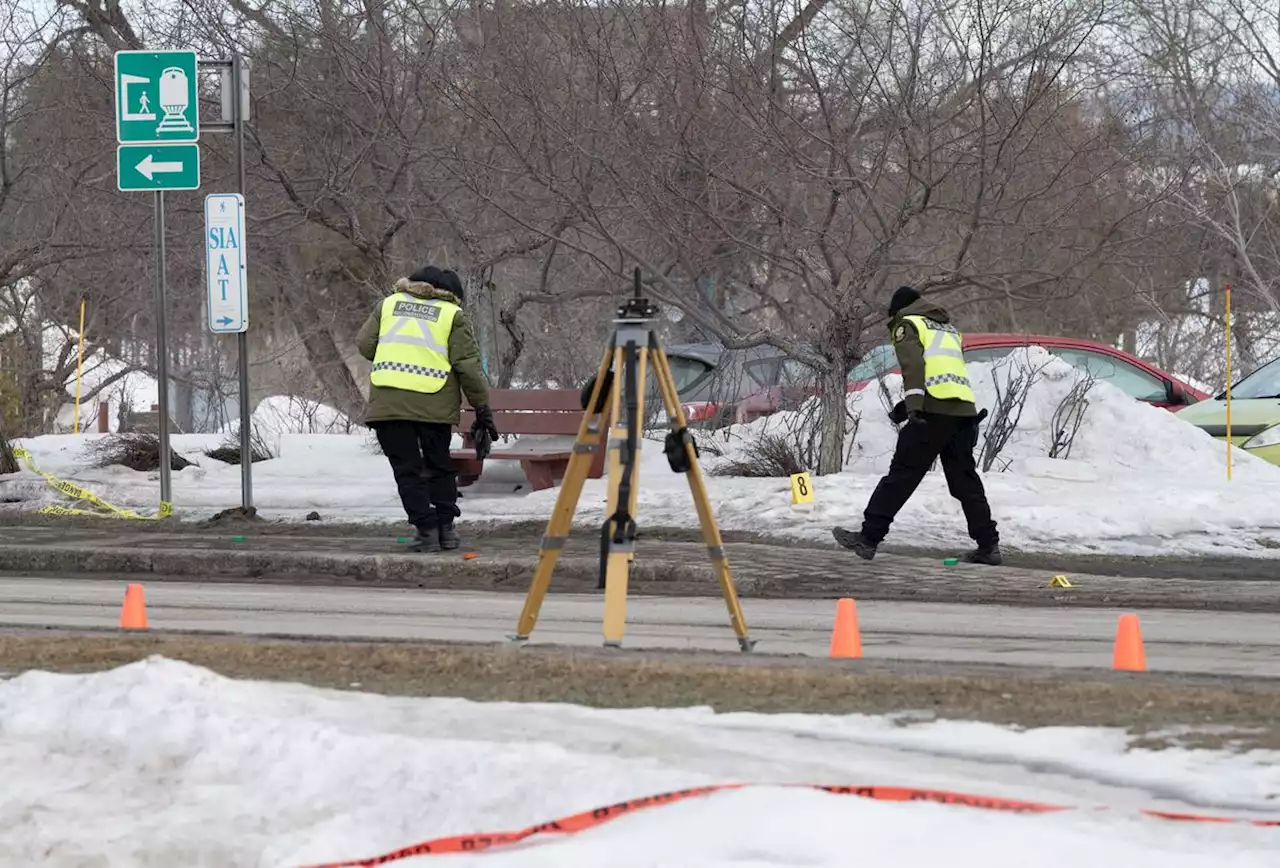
(156, 99)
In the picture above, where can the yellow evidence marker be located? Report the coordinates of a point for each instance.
(801, 488)
(1060, 582)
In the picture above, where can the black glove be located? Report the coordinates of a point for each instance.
(916, 417)
(483, 431)
(898, 414)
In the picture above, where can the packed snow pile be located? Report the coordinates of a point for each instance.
(278, 415)
(1138, 481)
(1116, 432)
(161, 763)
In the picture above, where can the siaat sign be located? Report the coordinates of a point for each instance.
(157, 106)
(228, 290)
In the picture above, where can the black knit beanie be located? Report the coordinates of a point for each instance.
(440, 278)
(902, 296)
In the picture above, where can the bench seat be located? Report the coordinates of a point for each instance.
(555, 412)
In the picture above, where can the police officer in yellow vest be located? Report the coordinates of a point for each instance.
(942, 422)
(425, 357)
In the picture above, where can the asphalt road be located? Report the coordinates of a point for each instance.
(1176, 641)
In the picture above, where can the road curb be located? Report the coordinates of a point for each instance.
(666, 575)
(444, 570)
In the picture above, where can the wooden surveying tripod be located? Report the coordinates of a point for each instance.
(632, 349)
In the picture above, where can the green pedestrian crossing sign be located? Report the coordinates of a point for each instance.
(158, 167)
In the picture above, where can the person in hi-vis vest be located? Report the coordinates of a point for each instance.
(942, 422)
(425, 358)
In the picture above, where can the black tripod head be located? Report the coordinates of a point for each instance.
(637, 307)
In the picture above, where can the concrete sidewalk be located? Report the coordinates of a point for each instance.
(505, 558)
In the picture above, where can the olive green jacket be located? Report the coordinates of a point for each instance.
(467, 377)
(910, 351)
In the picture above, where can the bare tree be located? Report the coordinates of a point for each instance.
(1069, 415)
(45, 233)
(776, 172)
(1012, 393)
(777, 177)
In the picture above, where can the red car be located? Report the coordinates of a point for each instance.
(1129, 374)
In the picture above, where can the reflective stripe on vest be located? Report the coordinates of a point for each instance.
(945, 374)
(413, 343)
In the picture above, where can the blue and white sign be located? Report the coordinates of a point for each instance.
(228, 286)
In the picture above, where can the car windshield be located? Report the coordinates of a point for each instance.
(874, 364)
(686, 371)
(1262, 383)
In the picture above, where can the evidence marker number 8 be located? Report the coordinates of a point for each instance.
(801, 488)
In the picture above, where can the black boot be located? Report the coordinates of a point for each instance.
(448, 536)
(859, 544)
(987, 555)
(427, 540)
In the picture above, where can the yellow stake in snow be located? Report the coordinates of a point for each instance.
(79, 364)
(801, 488)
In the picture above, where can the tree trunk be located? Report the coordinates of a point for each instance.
(37, 402)
(833, 421)
(327, 363)
(515, 347)
(8, 464)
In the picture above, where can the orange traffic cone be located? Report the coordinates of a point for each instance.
(846, 641)
(134, 614)
(1129, 654)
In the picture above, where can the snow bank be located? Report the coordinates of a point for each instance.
(1139, 481)
(160, 763)
(1117, 433)
(279, 415)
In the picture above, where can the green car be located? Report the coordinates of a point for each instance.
(1255, 413)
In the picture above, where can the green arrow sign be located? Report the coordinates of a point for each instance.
(156, 97)
(158, 167)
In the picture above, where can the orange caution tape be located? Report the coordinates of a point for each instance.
(597, 816)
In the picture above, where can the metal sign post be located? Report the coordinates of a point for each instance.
(225, 245)
(239, 102)
(157, 134)
(157, 127)
(162, 355)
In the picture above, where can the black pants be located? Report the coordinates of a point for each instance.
(953, 439)
(425, 473)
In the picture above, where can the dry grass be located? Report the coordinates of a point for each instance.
(228, 451)
(772, 455)
(138, 451)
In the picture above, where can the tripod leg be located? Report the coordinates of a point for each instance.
(698, 488)
(616, 437)
(621, 547)
(591, 434)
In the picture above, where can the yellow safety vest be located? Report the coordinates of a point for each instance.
(413, 343)
(945, 376)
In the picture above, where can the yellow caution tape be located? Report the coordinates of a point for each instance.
(83, 495)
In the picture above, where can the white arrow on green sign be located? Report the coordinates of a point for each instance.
(158, 167)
